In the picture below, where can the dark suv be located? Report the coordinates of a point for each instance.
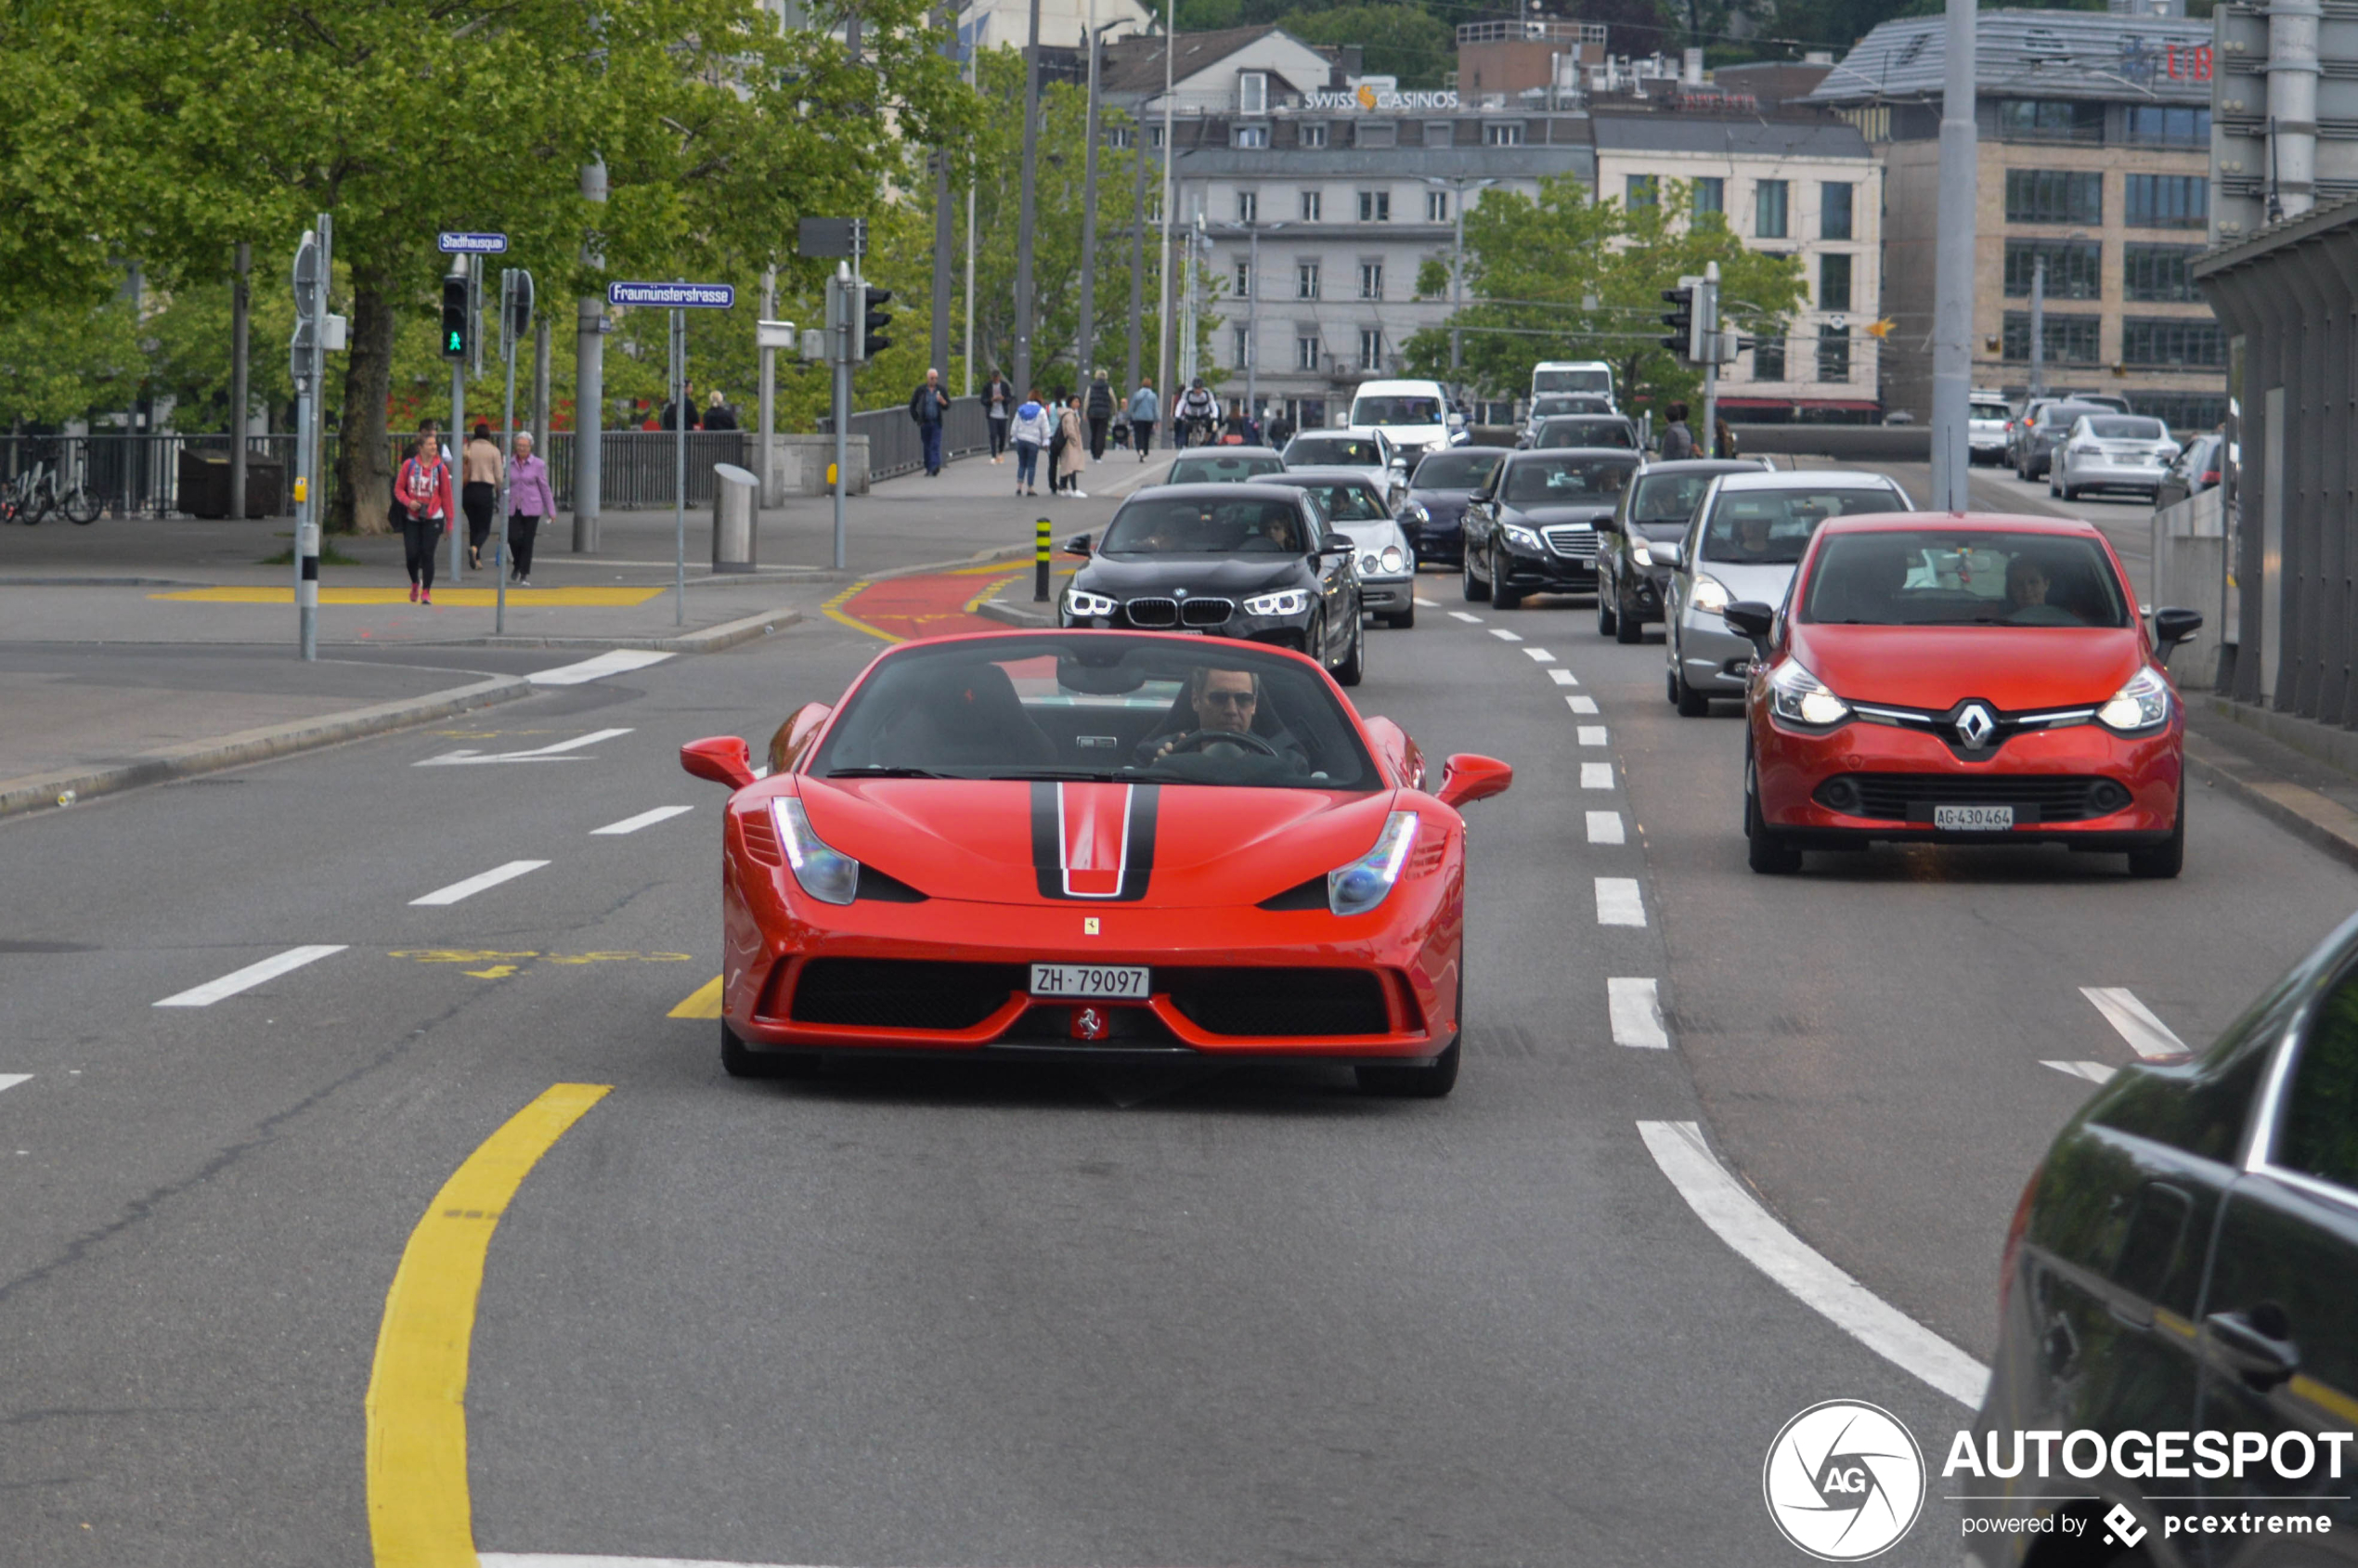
(1655, 508)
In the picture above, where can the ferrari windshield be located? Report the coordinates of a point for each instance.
(1223, 467)
(1926, 578)
(1566, 481)
(1772, 528)
(1095, 705)
(1609, 430)
(1152, 524)
(1346, 500)
(1454, 470)
(1343, 451)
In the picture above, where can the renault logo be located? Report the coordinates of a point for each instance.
(1976, 725)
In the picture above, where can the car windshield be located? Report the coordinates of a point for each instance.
(1596, 381)
(2066, 414)
(1455, 471)
(1308, 452)
(2118, 428)
(1396, 410)
(1566, 403)
(1223, 467)
(1177, 526)
(1772, 528)
(1567, 481)
(1926, 578)
(1991, 411)
(1668, 498)
(1346, 500)
(1096, 704)
(1604, 432)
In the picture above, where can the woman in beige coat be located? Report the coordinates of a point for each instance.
(1075, 457)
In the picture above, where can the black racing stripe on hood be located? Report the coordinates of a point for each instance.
(1047, 845)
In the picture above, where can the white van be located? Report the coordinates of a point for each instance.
(1591, 376)
(1414, 416)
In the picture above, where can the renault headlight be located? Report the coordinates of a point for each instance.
(1799, 698)
(1521, 537)
(1084, 605)
(827, 874)
(1711, 593)
(1359, 887)
(2144, 703)
(1285, 601)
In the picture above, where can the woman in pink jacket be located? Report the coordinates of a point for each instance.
(529, 502)
(424, 489)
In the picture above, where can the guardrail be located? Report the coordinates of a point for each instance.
(895, 446)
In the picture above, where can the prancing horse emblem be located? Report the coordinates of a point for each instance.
(1975, 726)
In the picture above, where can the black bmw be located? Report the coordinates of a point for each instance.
(1254, 562)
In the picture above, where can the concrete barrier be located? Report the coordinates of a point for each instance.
(1843, 443)
(2189, 571)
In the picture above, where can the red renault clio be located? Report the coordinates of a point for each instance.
(1962, 679)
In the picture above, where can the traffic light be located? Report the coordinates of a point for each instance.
(868, 338)
(458, 330)
(1679, 319)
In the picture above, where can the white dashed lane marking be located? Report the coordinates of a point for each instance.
(644, 819)
(1563, 678)
(1604, 828)
(1618, 901)
(1596, 775)
(477, 883)
(1635, 1007)
(2095, 1073)
(1461, 615)
(1503, 635)
(2148, 1035)
(619, 662)
(1582, 705)
(1422, 603)
(248, 977)
(1592, 734)
(10, 1079)
(1541, 654)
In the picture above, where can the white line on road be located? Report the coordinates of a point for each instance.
(620, 660)
(1539, 654)
(10, 1079)
(1596, 775)
(1582, 705)
(1635, 1007)
(2148, 1035)
(477, 883)
(551, 753)
(1563, 678)
(2095, 1073)
(1503, 635)
(571, 1560)
(1737, 1218)
(1618, 902)
(1592, 734)
(644, 819)
(1423, 603)
(248, 977)
(1604, 828)
(1461, 615)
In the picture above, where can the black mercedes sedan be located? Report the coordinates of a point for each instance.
(1434, 512)
(1532, 528)
(1254, 562)
(1655, 509)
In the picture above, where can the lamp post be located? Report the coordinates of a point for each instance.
(1086, 346)
(1952, 267)
(1252, 232)
(1458, 185)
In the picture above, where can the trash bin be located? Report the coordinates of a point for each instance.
(733, 515)
(204, 483)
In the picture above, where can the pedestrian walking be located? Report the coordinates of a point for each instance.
(718, 415)
(424, 488)
(1076, 446)
(1055, 411)
(1145, 409)
(529, 500)
(1724, 438)
(672, 410)
(1100, 412)
(998, 408)
(480, 495)
(1677, 441)
(929, 406)
(1030, 430)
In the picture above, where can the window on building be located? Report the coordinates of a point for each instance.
(2169, 201)
(1375, 206)
(2071, 339)
(2153, 124)
(1768, 210)
(1371, 349)
(1120, 136)
(2181, 410)
(1314, 134)
(1312, 205)
(1440, 132)
(1833, 353)
(1252, 91)
(1251, 136)
(1769, 360)
(1371, 279)
(1376, 133)
(1437, 206)
(2048, 120)
(1240, 345)
(1502, 132)
(2172, 341)
(1833, 282)
(1305, 281)
(1154, 136)
(1248, 206)
(2075, 268)
(2054, 196)
(2160, 272)
(1710, 195)
(1642, 190)
(1244, 280)
(1834, 211)
(1305, 348)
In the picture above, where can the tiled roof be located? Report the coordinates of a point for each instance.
(1134, 64)
(2030, 54)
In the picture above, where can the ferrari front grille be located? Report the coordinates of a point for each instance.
(902, 993)
(1153, 611)
(1573, 544)
(1265, 1001)
(1207, 612)
(2036, 798)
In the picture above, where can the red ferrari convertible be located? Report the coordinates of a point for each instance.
(1096, 845)
(1963, 678)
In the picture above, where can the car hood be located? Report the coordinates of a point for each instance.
(1767, 584)
(2016, 667)
(1174, 846)
(1442, 506)
(1122, 575)
(1544, 515)
(1374, 533)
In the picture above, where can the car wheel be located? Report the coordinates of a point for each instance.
(1627, 628)
(1502, 596)
(738, 1061)
(2168, 857)
(1608, 616)
(1355, 663)
(1691, 703)
(1475, 592)
(1767, 854)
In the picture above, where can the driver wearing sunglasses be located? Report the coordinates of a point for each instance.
(1225, 702)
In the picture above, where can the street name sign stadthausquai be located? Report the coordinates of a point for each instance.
(472, 244)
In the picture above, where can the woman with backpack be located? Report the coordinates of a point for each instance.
(424, 489)
(1031, 429)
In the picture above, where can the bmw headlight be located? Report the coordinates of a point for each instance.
(1083, 605)
(1521, 537)
(1286, 602)
(1711, 593)
(1799, 698)
(1392, 561)
(827, 874)
(1640, 553)
(1367, 881)
(2144, 703)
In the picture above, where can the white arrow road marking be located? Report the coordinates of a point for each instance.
(477, 883)
(619, 662)
(1592, 734)
(1604, 828)
(10, 1079)
(1461, 615)
(248, 977)
(2148, 1035)
(2095, 1073)
(1635, 1007)
(1737, 1218)
(1582, 705)
(644, 819)
(554, 753)
(1618, 902)
(1596, 775)
(1503, 635)
(1541, 654)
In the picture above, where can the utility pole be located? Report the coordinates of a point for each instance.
(541, 390)
(846, 298)
(2038, 324)
(944, 229)
(240, 320)
(679, 415)
(1162, 314)
(314, 331)
(1252, 325)
(590, 380)
(1707, 323)
(974, 76)
(1028, 206)
(1137, 254)
(769, 384)
(1085, 349)
(1953, 276)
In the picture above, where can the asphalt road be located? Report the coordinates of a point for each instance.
(935, 1316)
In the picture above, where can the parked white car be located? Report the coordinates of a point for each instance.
(2111, 452)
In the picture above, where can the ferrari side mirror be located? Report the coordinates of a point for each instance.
(721, 759)
(1467, 777)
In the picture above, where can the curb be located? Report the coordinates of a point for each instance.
(2324, 822)
(1024, 615)
(33, 794)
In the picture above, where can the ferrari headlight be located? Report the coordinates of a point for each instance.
(2141, 705)
(1285, 601)
(1521, 537)
(1366, 882)
(1392, 561)
(1799, 698)
(1711, 593)
(827, 874)
(1085, 605)
(1640, 553)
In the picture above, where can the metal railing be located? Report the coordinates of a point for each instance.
(896, 447)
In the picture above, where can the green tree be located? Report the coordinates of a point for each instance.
(1402, 41)
(67, 360)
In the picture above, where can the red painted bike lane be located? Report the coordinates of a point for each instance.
(935, 604)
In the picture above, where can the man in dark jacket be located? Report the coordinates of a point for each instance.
(928, 406)
(1099, 411)
(671, 411)
(717, 415)
(1677, 441)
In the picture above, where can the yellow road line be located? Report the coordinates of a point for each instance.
(420, 1513)
(704, 1004)
(976, 602)
(521, 598)
(833, 610)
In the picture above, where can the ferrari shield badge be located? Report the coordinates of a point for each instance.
(1089, 1023)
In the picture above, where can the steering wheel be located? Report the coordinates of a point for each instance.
(1203, 740)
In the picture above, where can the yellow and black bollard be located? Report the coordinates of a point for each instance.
(1040, 564)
